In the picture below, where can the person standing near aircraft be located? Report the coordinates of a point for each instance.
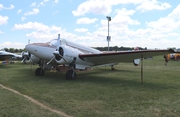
(166, 59)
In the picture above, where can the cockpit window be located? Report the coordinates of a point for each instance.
(53, 42)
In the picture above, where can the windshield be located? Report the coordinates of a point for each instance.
(53, 42)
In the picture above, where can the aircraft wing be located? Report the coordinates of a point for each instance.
(5, 57)
(125, 56)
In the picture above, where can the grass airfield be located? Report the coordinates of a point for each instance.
(97, 93)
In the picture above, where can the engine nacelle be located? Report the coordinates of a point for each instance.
(25, 55)
(67, 54)
(33, 59)
(136, 62)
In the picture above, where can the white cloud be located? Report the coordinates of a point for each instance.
(148, 5)
(125, 28)
(55, 12)
(56, 1)
(1, 32)
(124, 12)
(23, 18)
(175, 14)
(42, 31)
(120, 22)
(162, 33)
(9, 44)
(123, 16)
(168, 23)
(33, 4)
(33, 12)
(30, 25)
(86, 20)
(43, 3)
(2, 7)
(105, 6)
(92, 6)
(3, 20)
(19, 11)
(81, 30)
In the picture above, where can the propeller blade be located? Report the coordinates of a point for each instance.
(58, 42)
(56, 53)
(50, 60)
(24, 60)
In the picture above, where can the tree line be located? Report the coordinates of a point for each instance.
(13, 50)
(116, 48)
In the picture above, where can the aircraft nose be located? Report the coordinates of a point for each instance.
(30, 48)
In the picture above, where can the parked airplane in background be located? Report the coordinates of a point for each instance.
(76, 56)
(7, 55)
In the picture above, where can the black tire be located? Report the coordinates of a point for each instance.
(69, 75)
(39, 72)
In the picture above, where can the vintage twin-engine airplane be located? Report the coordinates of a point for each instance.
(7, 55)
(76, 56)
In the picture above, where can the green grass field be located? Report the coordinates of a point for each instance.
(97, 93)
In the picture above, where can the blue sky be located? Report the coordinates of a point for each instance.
(144, 23)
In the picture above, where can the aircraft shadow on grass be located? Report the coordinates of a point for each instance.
(100, 79)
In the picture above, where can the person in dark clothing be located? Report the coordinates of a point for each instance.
(166, 59)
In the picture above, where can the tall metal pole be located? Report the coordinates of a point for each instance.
(108, 37)
(142, 69)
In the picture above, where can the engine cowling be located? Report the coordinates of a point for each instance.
(33, 59)
(136, 62)
(25, 55)
(29, 58)
(66, 54)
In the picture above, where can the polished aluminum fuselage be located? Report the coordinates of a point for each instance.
(44, 51)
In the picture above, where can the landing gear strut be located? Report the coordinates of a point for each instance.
(40, 71)
(112, 68)
(71, 74)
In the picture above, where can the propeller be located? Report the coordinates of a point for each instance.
(25, 56)
(58, 53)
(50, 60)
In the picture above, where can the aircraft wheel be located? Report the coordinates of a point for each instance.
(70, 76)
(39, 72)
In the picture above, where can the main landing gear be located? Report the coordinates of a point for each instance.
(71, 74)
(40, 71)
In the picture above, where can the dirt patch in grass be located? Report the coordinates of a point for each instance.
(36, 102)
